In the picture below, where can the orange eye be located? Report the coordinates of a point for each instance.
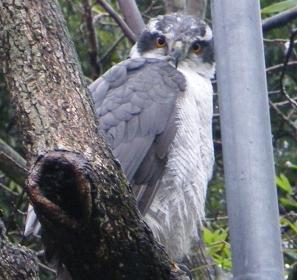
(160, 42)
(197, 48)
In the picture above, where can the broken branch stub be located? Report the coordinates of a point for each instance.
(63, 187)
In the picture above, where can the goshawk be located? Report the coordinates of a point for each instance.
(155, 111)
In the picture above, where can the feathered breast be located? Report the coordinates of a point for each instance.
(178, 208)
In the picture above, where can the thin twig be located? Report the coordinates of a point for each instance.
(280, 66)
(283, 116)
(8, 190)
(149, 8)
(273, 92)
(289, 52)
(46, 268)
(284, 103)
(125, 28)
(275, 41)
(223, 218)
(111, 49)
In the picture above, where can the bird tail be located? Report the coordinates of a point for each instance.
(32, 225)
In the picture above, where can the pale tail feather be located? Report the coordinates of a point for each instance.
(32, 224)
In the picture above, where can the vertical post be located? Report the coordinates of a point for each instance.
(247, 146)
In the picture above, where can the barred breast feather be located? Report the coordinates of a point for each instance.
(177, 210)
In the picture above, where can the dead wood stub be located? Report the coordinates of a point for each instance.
(59, 186)
(82, 221)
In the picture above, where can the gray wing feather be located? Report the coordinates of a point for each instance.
(135, 102)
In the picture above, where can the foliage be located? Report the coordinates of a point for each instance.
(288, 220)
(114, 47)
(279, 7)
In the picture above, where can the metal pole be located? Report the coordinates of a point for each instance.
(247, 146)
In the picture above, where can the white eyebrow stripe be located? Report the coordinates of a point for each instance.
(208, 34)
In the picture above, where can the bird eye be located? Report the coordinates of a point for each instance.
(160, 42)
(196, 47)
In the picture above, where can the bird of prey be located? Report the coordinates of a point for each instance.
(155, 111)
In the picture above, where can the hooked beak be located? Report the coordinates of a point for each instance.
(175, 57)
(176, 54)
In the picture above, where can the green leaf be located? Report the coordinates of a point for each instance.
(220, 235)
(284, 184)
(279, 7)
(97, 9)
(291, 253)
(207, 236)
(223, 262)
(288, 203)
(292, 225)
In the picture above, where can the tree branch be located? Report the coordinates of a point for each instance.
(283, 116)
(110, 50)
(132, 16)
(279, 20)
(63, 187)
(122, 24)
(78, 191)
(280, 66)
(93, 45)
(12, 164)
(173, 6)
(288, 55)
(197, 8)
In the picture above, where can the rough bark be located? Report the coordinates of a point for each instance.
(77, 189)
(16, 262)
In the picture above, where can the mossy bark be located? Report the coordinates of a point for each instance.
(78, 191)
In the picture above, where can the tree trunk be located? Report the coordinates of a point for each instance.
(78, 191)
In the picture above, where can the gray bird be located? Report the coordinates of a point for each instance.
(155, 111)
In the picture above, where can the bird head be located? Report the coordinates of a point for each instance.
(183, 40)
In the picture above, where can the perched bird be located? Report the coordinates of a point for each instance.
(155, 111)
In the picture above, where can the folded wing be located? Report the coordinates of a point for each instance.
(135, 102)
